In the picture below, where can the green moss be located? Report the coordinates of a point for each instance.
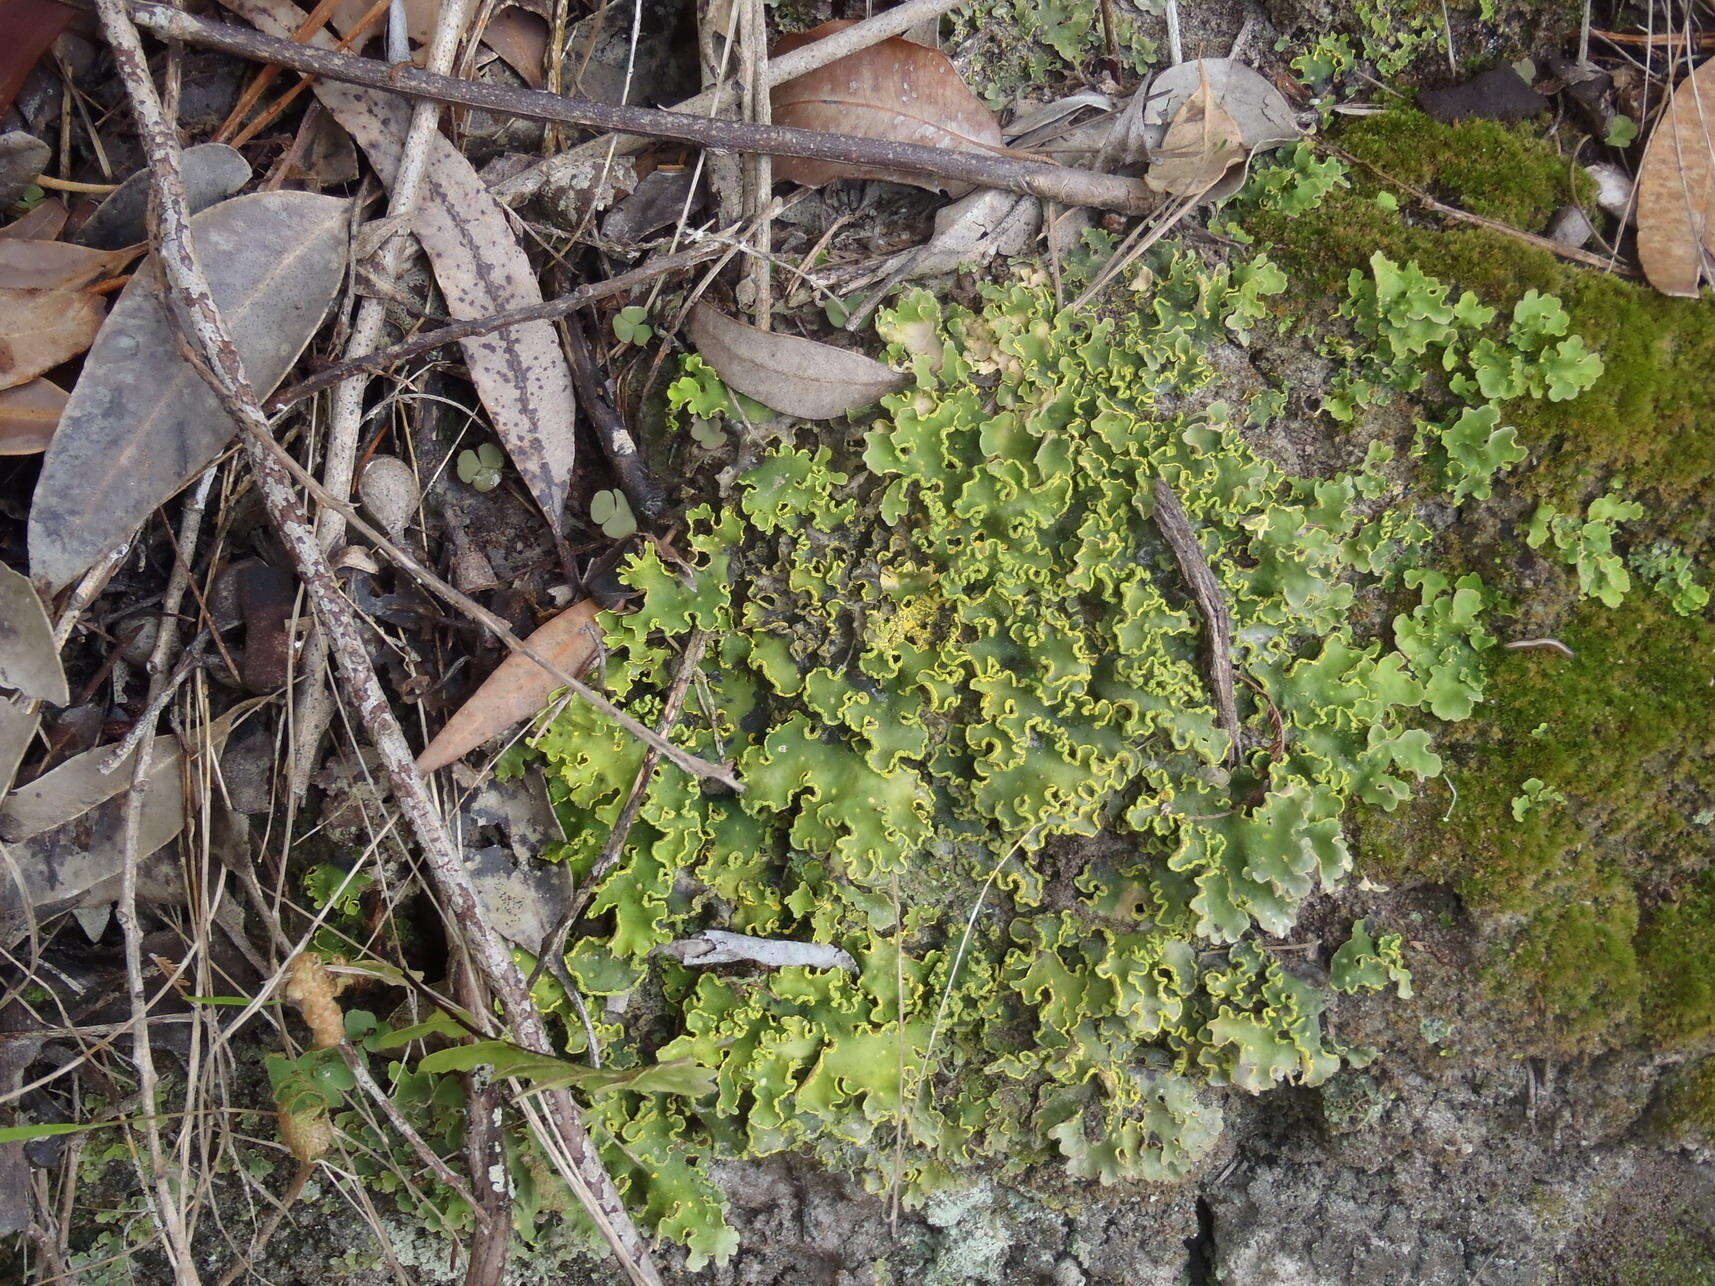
(1684, 1106)
(1677, 951)
(1500, 171)
(1621, 730)
(1651, 417)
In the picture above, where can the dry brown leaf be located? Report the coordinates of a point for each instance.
(57, 265)
(518, 688)
(519, 372)
(521, 40)
(43, 223)
(798, 376)
(1676, 189)
(1202, 143)
(39, 329)
(29, 661)
(28, 416)
(141, 422)
(897, 90)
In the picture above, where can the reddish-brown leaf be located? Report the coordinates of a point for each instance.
(57, 265)
(29, 414)
(39, 329)
(518, 688)
(43, 223)
(1676, 188)
(30, 27)
(897, 90)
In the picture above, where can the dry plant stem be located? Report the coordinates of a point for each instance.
(1176, 530)
(207, 336)
(408, 1132)
(345, 421)
(167, 1211)
(258, 1243)
(617, 442)
(758, 167)
(806, 58)
(1013, 173)
(485, 1156)
(554, 945)
(426, 342)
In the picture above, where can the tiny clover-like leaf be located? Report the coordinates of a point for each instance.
(1621, 131)
(481, 468)
(631, 325)
(708, 433)
(1535, 793)
(610, 511)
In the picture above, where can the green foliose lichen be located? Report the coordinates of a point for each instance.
(962, 679)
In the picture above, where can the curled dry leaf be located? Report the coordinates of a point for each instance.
(897, 90)
(1201, 144)
(518, 688)
(39, 329)
(1676, 188)
(29, 414)
(141, 422)
(78, 785)
(29, 661)
(519, 372)
(32, 26)
(212, 172)
(798, 376)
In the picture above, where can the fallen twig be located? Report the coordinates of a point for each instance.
(1554, 645)
(1176, 530)
(896, 21)
(1013, 172)
(554, 945)
(345, 421)
(618, 444)
(381, 359)
(206, 334)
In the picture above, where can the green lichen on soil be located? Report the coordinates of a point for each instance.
(1597, 903)
(1651, 419)
(956, 667)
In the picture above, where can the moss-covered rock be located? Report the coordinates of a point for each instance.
(1652, 416)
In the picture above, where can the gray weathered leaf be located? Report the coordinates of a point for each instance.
(519, 372)
(213, 172)
(798, 376)
(18, 720)
(22, 157)
(82, 861)
(78, 785)
(29, 661)
(141, 422)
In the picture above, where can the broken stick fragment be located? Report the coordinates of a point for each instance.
(1176, 530)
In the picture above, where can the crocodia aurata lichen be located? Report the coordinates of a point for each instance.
(964, 685)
